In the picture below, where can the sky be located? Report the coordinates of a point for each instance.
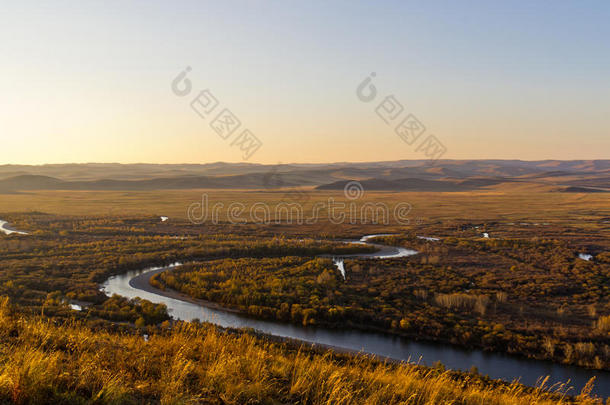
(92, 81)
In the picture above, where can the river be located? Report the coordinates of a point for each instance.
(8, 230)
(499, 366)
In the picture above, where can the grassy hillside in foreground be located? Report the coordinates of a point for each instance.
(41, 362)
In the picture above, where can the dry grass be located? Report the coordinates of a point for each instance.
(41, 362)
(479, 205)
(603, 324)
(461, 301)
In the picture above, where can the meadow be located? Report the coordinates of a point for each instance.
(521, 290)
(45, 363)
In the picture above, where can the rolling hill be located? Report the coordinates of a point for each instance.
(404, 175)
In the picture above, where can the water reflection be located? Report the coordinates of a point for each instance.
(495, 365)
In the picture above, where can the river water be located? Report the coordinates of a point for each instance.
(496, 365)
(8, 230)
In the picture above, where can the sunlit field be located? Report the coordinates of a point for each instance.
(494, 282)
(579, 209)
(304, 202)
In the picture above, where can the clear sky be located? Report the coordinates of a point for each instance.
(90, 81)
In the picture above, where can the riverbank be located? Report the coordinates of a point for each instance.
(142, 282)
(198, 363)
(346, 340)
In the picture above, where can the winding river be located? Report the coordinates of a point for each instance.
(7, 229)
(499, 366)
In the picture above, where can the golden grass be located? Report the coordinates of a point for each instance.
(509, 205)
(41, 362)
(603, 323)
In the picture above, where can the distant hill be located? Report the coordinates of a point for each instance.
(584, 190)
(404, 175)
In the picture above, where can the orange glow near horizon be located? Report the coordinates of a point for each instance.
(92, 82)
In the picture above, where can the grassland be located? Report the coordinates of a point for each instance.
(511, 205)
(78, 238)
(41, 363)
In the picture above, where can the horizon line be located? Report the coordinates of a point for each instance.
(301, 163)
